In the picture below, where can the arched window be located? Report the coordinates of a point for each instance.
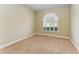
(50, 23)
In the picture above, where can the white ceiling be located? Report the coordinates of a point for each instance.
(38, 7)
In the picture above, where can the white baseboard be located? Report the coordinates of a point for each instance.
(13, 42)
(76, 46)
(54, 36)
(62, 37)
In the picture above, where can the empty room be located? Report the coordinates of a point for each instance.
(39, 28)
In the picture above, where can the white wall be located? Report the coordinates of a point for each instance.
(16, 21)
(63, 14)
(75, 23)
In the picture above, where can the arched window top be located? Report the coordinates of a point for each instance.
(50, 17)
(50, 22)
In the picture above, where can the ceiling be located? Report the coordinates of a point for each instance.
(38, 7)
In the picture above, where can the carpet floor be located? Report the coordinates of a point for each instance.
(40, 44)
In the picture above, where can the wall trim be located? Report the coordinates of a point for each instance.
(74, 43)
(16, 41)
(54, 36)
(13, 42)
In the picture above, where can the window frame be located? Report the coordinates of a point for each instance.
(49, 26)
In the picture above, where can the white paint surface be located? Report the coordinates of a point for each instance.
(38, 7)
(16, 21)
(75, 23)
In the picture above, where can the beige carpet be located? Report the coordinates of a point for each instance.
(39, 44)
